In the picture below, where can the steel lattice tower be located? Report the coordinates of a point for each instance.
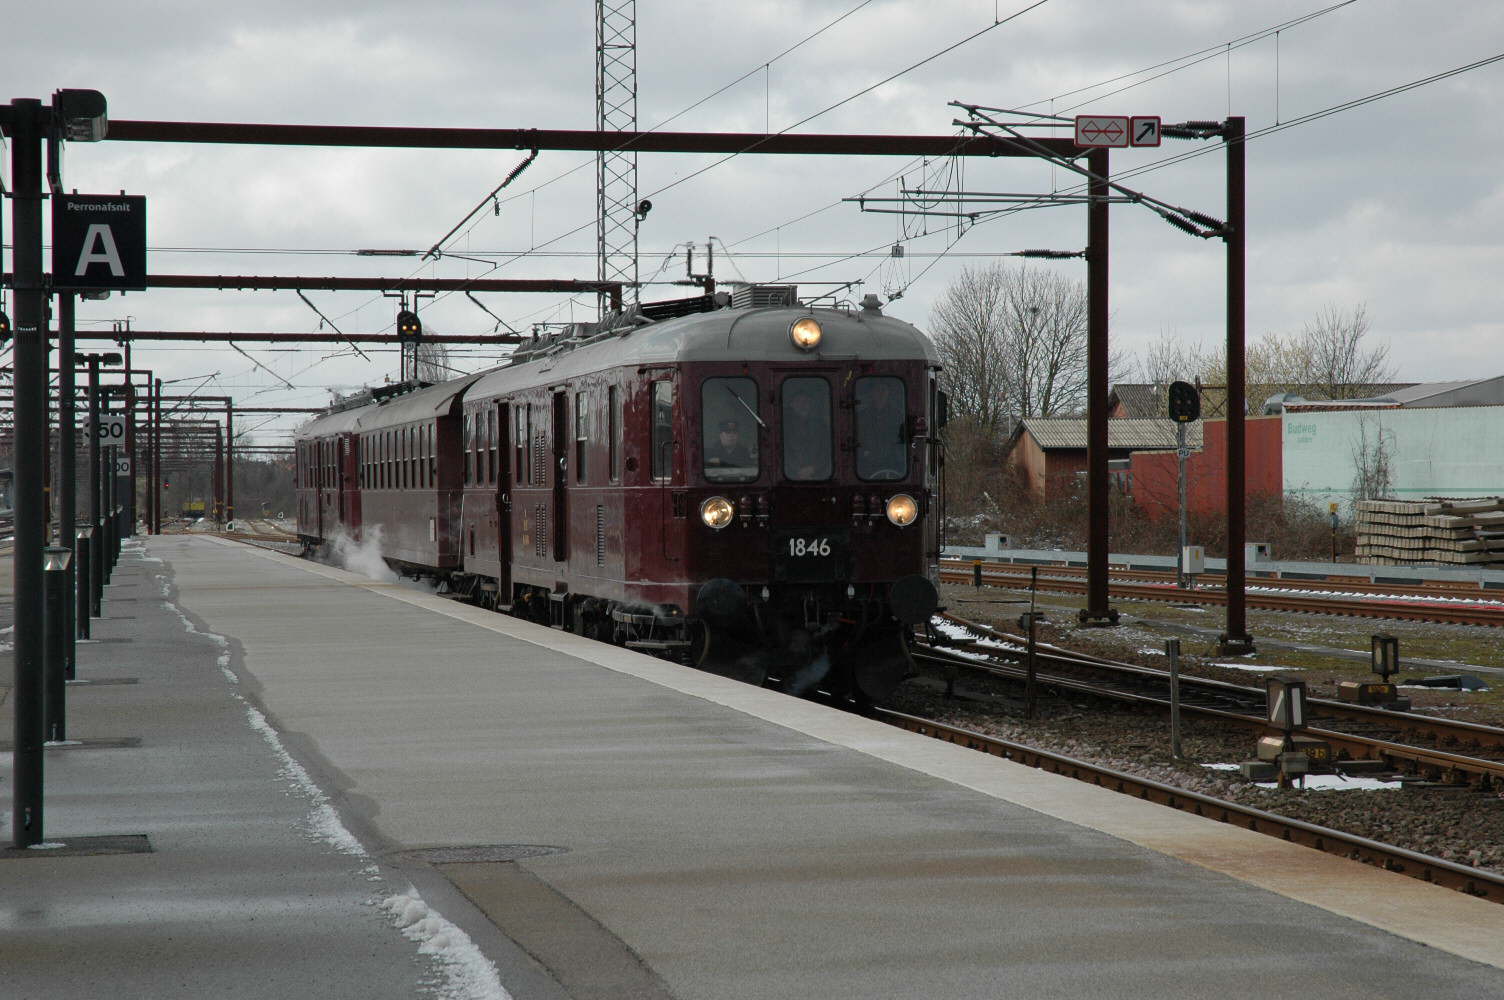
(616, 171)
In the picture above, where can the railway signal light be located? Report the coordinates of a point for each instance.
(409, 327)
(1185, 402)
(4, 329)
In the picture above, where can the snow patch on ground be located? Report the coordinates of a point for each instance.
(1320, 782)
(468, 974)
(464, 971)
(1256, 668)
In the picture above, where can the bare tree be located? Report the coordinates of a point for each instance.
(1373, 474)
(1338, 361)
(1013, 341)
(1326, 359)
(431, 362)
(1046, 320)
(968, 329)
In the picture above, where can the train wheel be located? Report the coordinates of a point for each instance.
(718, 652)
(879, 665)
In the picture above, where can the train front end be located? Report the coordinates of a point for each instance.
(812, 514)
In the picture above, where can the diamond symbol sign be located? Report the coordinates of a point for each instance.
(1101, 130)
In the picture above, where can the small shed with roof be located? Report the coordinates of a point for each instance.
(1049, 453)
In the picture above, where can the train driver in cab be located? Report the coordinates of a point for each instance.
(727, 450)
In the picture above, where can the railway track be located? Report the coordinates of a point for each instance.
(1474, 881)
(1426, 746)
(1449, 610)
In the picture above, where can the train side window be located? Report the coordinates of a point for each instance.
(433, 459)
(519, 442)
(663, 430)
(882, 447)
(807, 454)
(493, 445)
(728, 429)
(613, 432)
(412, 457)
(469, 448)
(581, 433)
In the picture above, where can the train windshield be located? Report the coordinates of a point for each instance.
(882, 453)
(806, 429)
(728, 426)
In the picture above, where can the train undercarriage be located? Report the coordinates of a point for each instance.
(848, 641)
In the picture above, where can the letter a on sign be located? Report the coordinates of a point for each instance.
(99, 241)
(99, 235)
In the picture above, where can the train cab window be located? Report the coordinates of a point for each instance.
(728, 429)
(882, 448)
(807, 453)
(581, 434)
(663, 430)
(613, 432)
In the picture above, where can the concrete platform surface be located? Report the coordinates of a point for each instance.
(598, 823)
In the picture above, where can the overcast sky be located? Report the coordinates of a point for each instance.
(1396, 204)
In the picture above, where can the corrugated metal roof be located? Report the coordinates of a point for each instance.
(1148, 399)
(1131, 433)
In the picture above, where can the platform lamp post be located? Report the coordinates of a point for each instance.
(77, 115)
(96, 537)
(54, 698)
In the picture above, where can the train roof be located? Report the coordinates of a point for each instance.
(392, 411)
(756, 334)
(722, 335)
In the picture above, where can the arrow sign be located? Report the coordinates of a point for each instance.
(1145, 130)
(1096, 131)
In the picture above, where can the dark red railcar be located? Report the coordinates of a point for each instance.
(753, 488)
(410, 476)
(324, 476)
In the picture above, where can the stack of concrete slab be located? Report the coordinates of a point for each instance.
(1433, 531)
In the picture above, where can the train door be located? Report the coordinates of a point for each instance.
(346, 491)
(664, 442)
(318, 485)
(561, 476)
(504, 461)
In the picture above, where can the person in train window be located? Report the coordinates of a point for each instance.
(882, 451)
(727, 450)
(806, 429)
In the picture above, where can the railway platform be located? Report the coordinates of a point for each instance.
(291, 779)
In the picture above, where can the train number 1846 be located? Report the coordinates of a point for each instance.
(809, 546)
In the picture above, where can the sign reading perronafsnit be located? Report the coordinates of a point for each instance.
(99, 241)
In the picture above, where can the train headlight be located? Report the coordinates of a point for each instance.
(805, 333)
(717, 512)
(902, 510)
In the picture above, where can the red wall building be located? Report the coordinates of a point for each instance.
(1154, 473)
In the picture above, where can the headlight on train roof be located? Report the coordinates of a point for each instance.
(717, 512)
(805, 332)
(902, 510)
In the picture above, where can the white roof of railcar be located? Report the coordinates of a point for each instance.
(721, 335)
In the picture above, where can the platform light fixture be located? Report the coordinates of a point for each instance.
(81, 115)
